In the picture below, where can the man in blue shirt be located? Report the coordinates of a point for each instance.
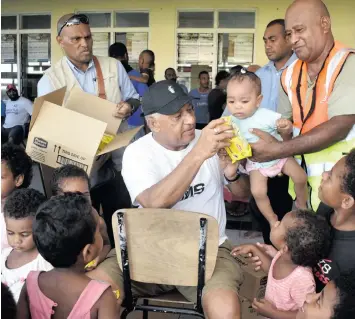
(119, 51)
(279, 51)
(200, 100)
(3, 112)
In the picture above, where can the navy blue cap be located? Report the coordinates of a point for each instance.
(165, 97)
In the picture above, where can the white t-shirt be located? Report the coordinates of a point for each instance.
(15, 278)
(17, 112)
(146, 162)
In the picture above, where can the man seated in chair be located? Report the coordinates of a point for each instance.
(17, 113)
(176, 166)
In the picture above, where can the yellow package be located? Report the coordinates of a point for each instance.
(107, 138)
(90, 264)
(239, 147)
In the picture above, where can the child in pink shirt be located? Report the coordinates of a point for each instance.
(302, 239)
(16, 172)
(66, 232)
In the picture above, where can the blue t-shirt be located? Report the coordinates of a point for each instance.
(3, 108)
(136, 119)
(263, 119)
(200, 104)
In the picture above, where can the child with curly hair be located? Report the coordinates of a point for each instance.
(16, 172)
(22, 257)
(302, 239)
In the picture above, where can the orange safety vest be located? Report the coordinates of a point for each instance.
(307, 116)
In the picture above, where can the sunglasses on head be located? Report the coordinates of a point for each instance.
(76, 19)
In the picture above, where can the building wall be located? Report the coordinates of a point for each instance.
(163, 19)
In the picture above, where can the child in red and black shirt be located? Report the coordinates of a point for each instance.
(337, 193)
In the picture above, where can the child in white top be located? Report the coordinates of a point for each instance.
(22, 257)
(243, 101)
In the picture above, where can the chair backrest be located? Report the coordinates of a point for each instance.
(163, 245)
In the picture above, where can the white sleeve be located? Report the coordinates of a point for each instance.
(43, 264)
(28, 106)
(272, 117)
(127, 89)
(139, 171)
(44, 86)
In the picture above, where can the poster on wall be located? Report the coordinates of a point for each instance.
(136, 43)
(243, 48)
(101, 43)
(8, 49)
(235, 48)
(38, 48)
(195, 48)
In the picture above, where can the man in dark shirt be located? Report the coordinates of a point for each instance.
(337, 193)
(218, 97)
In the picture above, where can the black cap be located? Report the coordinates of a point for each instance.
(164, 97)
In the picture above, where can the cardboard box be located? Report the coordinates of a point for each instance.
(71, 133)
(254, 283)
(247, 310)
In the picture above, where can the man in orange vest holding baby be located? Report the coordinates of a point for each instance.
(317, 93)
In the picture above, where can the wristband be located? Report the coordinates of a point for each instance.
(232, 180)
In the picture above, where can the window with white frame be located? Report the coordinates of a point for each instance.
(130, 28)
(26, 51)
(213, 41)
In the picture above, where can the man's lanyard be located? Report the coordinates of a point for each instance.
(314, 91)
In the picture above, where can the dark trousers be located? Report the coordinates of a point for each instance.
(14, 134)
(111, 196)
(281, 203)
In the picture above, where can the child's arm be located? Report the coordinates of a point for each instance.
(267, 309)
(106, 241)
(284, 127)
(106, 246)
(108, 306)
(23, 307)
(252, 250)
(142, 79)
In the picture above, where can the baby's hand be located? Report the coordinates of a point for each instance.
(284, 126)
(243, 250)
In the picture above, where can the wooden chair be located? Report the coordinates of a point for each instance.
(168, 247)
